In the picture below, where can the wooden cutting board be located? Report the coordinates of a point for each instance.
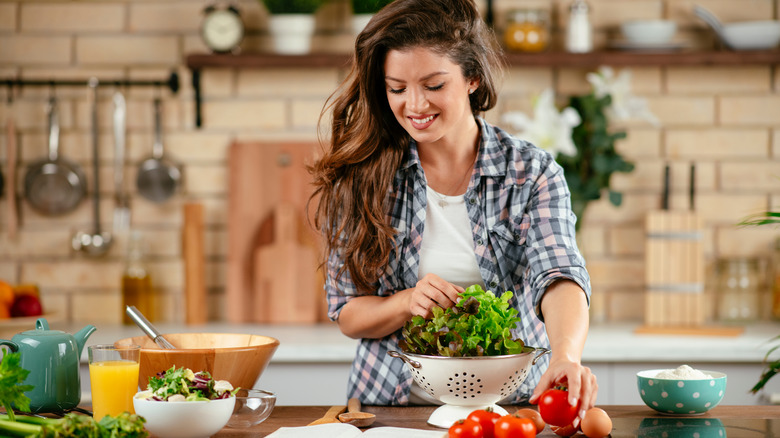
(262, 175)
(286, 287)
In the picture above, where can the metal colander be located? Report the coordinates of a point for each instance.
(467, 383)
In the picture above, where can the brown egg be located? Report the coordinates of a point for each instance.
(596, 423)
(564, 430)
(532, 415)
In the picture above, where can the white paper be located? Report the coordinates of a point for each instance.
(342, 430)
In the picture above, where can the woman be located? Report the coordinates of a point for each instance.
(419, 197)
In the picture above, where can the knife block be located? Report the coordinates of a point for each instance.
(674, 270)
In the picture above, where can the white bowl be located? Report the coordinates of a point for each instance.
(187, 419)
(648, 31)
(752, 35)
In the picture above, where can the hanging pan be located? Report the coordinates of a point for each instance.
(158, 178)
(54, 186)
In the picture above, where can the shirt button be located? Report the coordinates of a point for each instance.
(480, 242)
(516, 236)
(473, 201)
(493, 284)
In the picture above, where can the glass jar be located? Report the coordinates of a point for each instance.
(527, 30)
(738, 289)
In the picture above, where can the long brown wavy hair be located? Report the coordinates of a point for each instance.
(353, 177)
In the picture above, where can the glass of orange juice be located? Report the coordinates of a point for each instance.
(113, 375)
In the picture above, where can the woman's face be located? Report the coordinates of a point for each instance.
(428, 95)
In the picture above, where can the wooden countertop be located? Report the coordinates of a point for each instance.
(628, 421)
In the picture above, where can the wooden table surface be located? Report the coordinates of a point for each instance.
(628, 421)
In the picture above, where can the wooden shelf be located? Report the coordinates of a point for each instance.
(545, 59)
(198, 61)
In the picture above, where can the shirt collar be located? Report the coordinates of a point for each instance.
(490, 160)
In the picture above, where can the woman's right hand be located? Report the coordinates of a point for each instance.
(432, 291)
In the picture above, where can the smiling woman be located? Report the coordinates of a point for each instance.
(420, 197)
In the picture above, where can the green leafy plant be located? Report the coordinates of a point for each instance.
(292, 6)
(12, 392)
(368, 6)
(579, 136)
(589, 172)
(772, 367)
(480, 324)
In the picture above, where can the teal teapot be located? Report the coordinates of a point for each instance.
(52, 357)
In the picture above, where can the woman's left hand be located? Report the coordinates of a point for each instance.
(579, 379)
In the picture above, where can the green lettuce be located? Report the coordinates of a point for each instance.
(480, 324)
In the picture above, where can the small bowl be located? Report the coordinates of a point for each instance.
(187, 419)
(681, 396)
(253, 406)
(752, 35)
(648, 32)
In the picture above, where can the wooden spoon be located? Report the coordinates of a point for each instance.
(354, 417)
(331, 416)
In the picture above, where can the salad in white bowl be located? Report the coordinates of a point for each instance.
(180, 403)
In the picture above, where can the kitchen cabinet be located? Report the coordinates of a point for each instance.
(198, 61)
(312, 362)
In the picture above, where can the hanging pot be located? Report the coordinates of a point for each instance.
(54, 186)
(158, 178)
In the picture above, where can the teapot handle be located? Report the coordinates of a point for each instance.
(41, 324)
(13, 346)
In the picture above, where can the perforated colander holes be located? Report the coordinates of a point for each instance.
(513, 382)
(465, 385)
(421, 381)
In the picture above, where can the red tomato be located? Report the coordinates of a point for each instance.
(555, 408)
(510, 426)
(465, 429)
(487, 419)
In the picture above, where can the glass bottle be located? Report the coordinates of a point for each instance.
(136, 282)
(739, 288)
(579, 35)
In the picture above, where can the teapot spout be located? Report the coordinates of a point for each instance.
(82, 335)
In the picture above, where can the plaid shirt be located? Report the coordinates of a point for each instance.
(524, 239)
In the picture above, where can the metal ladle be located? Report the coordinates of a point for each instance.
(98, 242)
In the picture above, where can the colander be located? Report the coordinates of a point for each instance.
(467, 383)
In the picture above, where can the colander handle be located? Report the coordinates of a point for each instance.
(541, 352)
(412, 363)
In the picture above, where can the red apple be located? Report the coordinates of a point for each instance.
(26, 305)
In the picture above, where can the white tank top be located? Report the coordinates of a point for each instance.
(447, 243)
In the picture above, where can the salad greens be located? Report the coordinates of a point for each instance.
(74, 425)
(480, 324)
(12, 392)
(181, 384)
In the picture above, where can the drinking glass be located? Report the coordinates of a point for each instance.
(113, 374)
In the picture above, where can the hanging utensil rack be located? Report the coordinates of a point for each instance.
(172, 83)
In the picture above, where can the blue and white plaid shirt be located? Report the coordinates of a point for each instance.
(524, 239)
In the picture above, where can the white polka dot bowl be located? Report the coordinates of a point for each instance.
(681, 396)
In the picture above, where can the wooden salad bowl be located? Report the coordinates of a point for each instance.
(238, 358)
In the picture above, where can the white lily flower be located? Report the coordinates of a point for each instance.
(549, 129)
(625, 105)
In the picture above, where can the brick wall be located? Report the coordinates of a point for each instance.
(725, 119)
